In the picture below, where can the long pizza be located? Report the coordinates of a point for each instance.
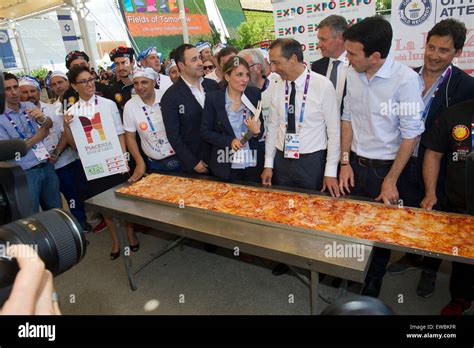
(437, 232)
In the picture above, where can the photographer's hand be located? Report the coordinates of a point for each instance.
(33, 289)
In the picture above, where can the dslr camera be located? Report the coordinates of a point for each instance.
(55, 235)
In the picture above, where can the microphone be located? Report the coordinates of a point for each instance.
(12, 149)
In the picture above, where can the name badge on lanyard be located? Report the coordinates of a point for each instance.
(39, 150)
(157, 139)
(292, 140)
(292, 145)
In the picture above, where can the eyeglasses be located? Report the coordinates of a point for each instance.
(250, 66)
(85, 82)
(208, 67)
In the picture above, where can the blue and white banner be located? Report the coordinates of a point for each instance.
(68, 32)
(413, 19)
(6, 51)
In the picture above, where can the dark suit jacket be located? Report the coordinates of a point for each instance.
(182, 115)
(320, 67)
(459, 88)
(217, 130)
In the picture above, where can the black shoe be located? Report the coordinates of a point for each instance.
(210, 248)
(135, 247)
(406, 263)
(86, 228)
(426, 285)
(372, 287)
(280, 269)
(114, 256)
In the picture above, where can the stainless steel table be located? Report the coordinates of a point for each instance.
(295, 248)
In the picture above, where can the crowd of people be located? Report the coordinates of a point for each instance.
(267, 117)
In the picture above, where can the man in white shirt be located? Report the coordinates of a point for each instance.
(334, 63)
(142, 114)
(381, 125)
(152, 59)
(303, 140)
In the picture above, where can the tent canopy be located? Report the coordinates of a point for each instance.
(14, 9)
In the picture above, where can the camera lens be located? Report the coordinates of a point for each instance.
(55, 235)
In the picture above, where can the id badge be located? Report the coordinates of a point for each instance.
(292, 146)
(161, 143)
(40, 151)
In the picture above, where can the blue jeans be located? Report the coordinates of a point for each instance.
(73, 185)
(43, 184)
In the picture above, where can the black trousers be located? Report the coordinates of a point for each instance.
(251, 174)
(307, 172)
(368, 183)
(461, 283)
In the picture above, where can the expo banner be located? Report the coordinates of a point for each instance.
(413, 19)
(300, 19)
(97, 143)
(157, 22)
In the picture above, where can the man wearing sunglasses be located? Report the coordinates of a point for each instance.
(79, 58)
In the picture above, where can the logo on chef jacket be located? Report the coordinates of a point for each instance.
(71, 101)
(118, 97)
(460, 132)
(143, 126)
(414, 12)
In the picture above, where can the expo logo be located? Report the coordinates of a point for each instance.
(321, 7)
(291, 30)
(290, 12)
(312, 46)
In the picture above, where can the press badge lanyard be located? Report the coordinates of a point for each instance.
(22, 136)
(303, 105)
(148, 118)
(446, 76)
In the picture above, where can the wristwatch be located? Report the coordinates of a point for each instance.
(56, 153)
(42, 122)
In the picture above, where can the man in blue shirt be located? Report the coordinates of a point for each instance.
(381, 125)
(23, 120)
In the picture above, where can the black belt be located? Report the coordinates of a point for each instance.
(371, 162)
(39, 166)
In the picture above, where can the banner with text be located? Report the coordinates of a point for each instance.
(413, 19)
(157, 22)
(300, 19)
(97, 143)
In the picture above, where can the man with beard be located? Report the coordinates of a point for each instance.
(121, 91)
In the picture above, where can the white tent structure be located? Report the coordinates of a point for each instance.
(12, 11)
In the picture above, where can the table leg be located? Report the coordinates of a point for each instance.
(314, 289)
(123, 240)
